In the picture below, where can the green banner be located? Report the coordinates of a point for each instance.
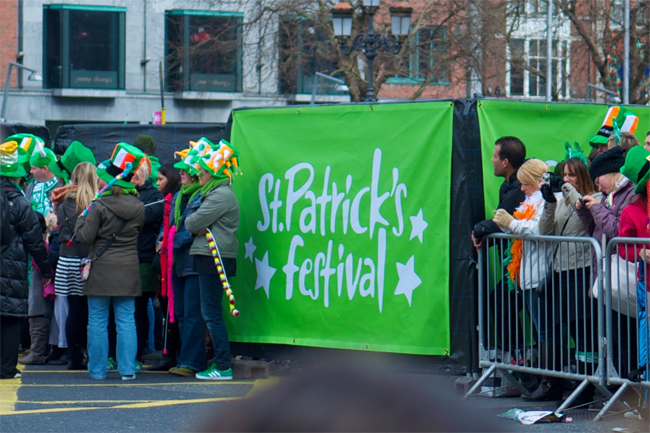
(344, 231)
(544, 128)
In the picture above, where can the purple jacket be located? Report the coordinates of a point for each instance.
(601, 220)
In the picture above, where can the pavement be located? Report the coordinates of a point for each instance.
(52, 399)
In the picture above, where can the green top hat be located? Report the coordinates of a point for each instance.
(74, 154)
(221, 162)
(9, 163)
(123, 155)
(625, 119)
(26, 145)
(637, 167)
(42, 156)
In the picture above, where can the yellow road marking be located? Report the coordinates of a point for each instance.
(116, 383)
(9, 395)
(262, 385)
(158, 403)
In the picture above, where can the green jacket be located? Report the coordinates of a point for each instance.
(219, 212)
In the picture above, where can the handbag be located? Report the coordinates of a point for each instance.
(550, 272)
(622, 274)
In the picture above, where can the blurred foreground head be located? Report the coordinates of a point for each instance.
(352, 399)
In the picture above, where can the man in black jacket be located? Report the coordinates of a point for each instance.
(21, 234)
(509, 155)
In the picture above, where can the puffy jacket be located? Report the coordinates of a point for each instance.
(153, 218)
(67, 218)
(117, 271)
(533, 258)
(183, 239)
(21, 235)
(554, 217)
(510, 196)
(219, 212)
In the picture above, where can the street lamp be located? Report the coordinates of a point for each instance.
(32, 77)
(369, 43)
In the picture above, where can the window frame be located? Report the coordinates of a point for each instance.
(64, 42)
(186, 80)
(414, 60)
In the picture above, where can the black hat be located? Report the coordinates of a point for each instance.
(608, 162)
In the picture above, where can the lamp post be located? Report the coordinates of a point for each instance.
(32, 77)
(370, 43)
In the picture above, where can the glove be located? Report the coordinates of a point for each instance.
(503, 218)
(547, 193)
(556, 183)
(571, 195)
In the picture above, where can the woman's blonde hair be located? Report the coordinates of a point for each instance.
(145, 170)
(531, 172)
(84, 176)
(627, 142)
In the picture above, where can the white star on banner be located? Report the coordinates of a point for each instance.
(250, 249)
(408, 279)
(264, 273)
(418, 226)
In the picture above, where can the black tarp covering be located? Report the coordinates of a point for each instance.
(102, 137)
(7, 129)
(467, 208)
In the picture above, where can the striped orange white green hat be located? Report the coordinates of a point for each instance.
(616, 116)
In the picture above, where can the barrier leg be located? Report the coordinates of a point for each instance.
(514, 381)
(573, 396)
(612, 401)
(480, 382)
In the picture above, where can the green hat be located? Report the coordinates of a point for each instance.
(124, 156)
(221, 162)
(42, 156)
(625, 119)
(637, 167)
(192, 159)
(104, 164)
(9, 164)
(26, 145)
(74, 154)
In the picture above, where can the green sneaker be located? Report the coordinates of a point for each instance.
(111, 365)
(138, 366)
(213, 373)
(182, 371)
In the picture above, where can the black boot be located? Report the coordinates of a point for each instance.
(551, 389)
(164, 365)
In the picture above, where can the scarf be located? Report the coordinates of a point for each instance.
(609, 201)
(525, 212)
(59, 193)
(192, 190)
(41, 195)
(212, 184)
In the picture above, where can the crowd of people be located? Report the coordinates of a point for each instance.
(87, 248)
(601, 196)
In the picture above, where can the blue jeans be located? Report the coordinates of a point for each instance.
(187, 310)
(127, 343)
(537, 311)
(211, 295)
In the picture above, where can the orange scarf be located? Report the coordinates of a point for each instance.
(527, 212)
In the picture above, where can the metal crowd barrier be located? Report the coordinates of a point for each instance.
(627, 331)
(567, 330)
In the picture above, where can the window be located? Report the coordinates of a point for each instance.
(83, 46)
(305, 50)
(203, 51)
(527, 65)
(426, 60)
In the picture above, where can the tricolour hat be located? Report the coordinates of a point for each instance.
(9, 164)
(626, 120)
(221, 162)
(198, 149)
(608, 162)
(637, 167)
(74, 154)
(41, 156)
(124, 157)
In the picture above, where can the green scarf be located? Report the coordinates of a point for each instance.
(212, 184)
(41, 195)
(192, 190)
(125, 191)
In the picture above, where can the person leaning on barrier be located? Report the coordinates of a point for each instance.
(532, 269)
(509, 155)
(567, 294)
(600, 218)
